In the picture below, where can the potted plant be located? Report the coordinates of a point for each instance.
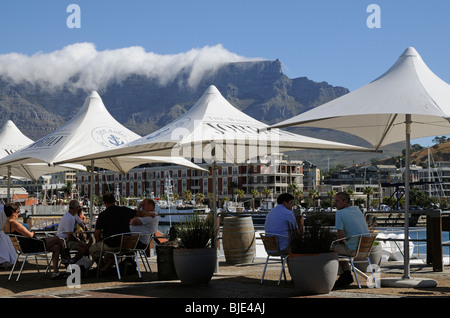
(312, 264)
(195, 258)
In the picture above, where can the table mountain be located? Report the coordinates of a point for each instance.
(260, 89)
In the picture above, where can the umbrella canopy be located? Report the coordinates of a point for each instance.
(125, 163)
(93, 129)
(408, 101)
(375, 112)
(12, 140)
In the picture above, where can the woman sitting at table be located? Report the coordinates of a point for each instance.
(53, 243)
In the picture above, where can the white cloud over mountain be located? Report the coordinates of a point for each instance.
(84, 67)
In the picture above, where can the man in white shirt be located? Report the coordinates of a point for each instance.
(145, 222)
(66, 229)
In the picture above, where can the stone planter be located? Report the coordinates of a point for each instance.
(195, 266)
(313, 273)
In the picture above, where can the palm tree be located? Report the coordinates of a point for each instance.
(225, 199)
(187, 196)
(331, 193)
(240, 193)
(175, 197)
(199, 197)
(298, 195)
(368, 191)
(266, 192)
(314, 195)
(67, 189)
(292, 187)
(233, 186)
(350, 192)
(254, 193)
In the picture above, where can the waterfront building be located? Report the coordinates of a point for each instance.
(149, 180)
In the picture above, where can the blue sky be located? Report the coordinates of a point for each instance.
(324, 40)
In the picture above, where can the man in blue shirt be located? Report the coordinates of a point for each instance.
(281, 220)
(350, 221)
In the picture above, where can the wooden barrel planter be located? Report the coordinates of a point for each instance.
(238, 239)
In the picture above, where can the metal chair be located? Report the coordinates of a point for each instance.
(142, 252)
(39, 250)
(126, 249)
(272, 248)
(364, 248)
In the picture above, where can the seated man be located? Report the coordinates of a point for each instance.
(67, 226)
(113, 220)
(145, 222)
(281, 220)
(350, 221)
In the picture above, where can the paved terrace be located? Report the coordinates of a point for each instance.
(231, 282)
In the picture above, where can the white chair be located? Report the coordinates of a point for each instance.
(143, 251)
(364, 248)
(272, 248)
(38, 251)
(126, 249)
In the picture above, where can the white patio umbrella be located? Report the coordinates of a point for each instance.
(91, 130)
(12, 140)
(408, 101)
(215, 131)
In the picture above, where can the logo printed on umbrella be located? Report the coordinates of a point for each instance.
(223, 142)
(165, 131)
(109, 137)
(115, 140)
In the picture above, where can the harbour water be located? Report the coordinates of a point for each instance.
(420, 248)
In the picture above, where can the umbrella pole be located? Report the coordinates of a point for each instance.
(406, 274)
(91, 197)
(8, 192)
(214, 210)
